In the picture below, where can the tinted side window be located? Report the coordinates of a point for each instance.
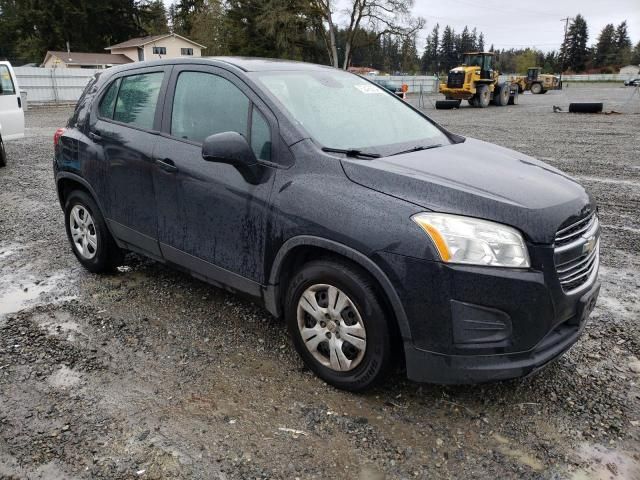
(260, 136)
(6, 81)
(108, 101)
(137, 99)
(205, 104)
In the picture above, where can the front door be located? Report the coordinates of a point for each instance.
(211, 219)
(126, 128)
(11, 114)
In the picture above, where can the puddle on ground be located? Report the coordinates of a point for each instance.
(65, 377)
(18, 295)
(605, 464)
(59, 324)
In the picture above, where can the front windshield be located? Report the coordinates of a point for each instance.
(473, 60)
(342, 110)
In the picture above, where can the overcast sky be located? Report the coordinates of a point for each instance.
(536, 24)
(506, 24)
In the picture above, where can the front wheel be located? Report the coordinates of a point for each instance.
(338, 325)
(3, 154)
(90, 240)
(536, 88)
(483, 96)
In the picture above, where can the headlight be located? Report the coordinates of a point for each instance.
(472, 241)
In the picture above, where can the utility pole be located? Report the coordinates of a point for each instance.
(563, 51)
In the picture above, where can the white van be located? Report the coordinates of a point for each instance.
(11, 112)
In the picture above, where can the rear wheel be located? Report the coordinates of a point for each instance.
(501, 95)
(338, 325)
(536, 88)
(3, 154)
(483, 96)
(513, 98)
(90, 240)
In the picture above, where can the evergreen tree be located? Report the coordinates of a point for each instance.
(606, 48)
(635, 55)
(480, 44)
(574, 50)
(447, 53)
(153, 17)
(430, 57)
(466, 42)
(623, 45)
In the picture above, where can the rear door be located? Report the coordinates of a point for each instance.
(125, 128)
(11, 114)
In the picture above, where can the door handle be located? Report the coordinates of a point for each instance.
(95, 136)
(167, 165)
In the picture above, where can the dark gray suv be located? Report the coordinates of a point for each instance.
(379, 236)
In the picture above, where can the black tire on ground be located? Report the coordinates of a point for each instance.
(447, 104)
(501, 95)
(513, 98)
(544, 91)
(585, 107)
(536, 88)
(3, 154)
(483, 96)
(106, 255)
(377, 359)
(472, 101)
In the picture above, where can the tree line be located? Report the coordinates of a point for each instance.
(612, 49)
(380, 34)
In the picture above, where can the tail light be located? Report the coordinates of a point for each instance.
(57, 135)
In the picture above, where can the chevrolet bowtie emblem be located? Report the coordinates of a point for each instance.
(590, 245)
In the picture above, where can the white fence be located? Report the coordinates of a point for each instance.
(428, 83)
(65, 85)
(59, 85)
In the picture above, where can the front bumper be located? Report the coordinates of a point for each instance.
(425, 366)
(477, 324)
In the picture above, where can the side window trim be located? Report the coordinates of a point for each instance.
(160, 104)
(270, 118)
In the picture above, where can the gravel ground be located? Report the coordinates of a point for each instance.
(149, 373)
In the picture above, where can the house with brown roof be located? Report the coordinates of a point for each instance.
(154, 47)
(83, 60)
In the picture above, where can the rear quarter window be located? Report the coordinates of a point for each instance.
(108, 100)
(137, 99)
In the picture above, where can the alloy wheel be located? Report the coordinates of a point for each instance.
(83, 232)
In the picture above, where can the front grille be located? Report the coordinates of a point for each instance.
(455, 80)
(569, 234)
(577, 253)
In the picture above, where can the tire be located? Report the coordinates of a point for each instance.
(472, 101)
(536, 88)
(94, 247)
(513, 98)
(354, 366)
(544, 91)
(447, 104)
(3, 155)
(585, 107)
(483, 96)
(501, 95)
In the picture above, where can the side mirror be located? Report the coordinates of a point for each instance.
(233, 148)
(228, 147)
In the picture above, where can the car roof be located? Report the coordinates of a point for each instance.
(246, 64)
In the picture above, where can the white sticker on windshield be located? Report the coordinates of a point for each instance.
(368, 88)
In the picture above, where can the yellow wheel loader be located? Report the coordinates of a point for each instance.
(477, 82)
(537, 82)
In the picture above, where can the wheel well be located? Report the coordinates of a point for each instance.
(66, 186)
(303, 254)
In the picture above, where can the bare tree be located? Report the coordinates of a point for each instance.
(380, 16)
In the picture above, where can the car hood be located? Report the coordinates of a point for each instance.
(482, 180)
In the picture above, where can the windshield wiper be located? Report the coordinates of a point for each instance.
(416, 149)
(351, 152)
